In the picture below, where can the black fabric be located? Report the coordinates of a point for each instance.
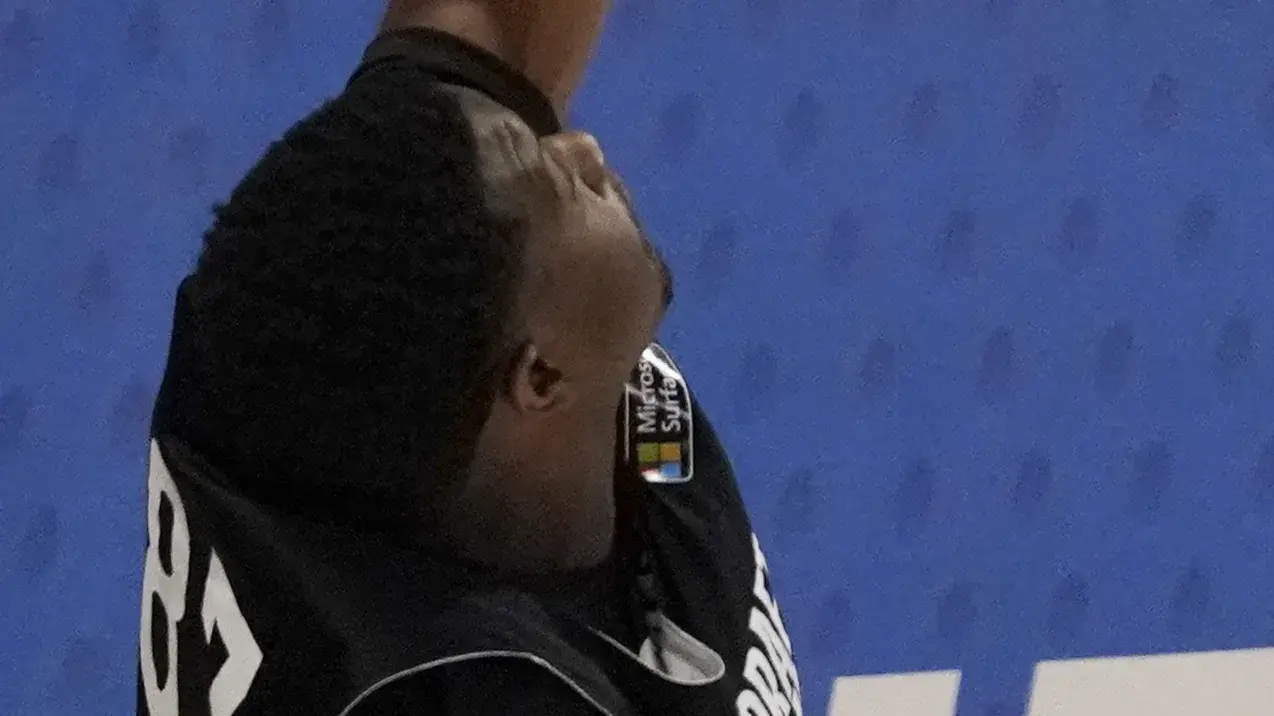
(347, 615)
(479, 688)
(452, 61)
(336, 612)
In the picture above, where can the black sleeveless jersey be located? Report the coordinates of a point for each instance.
(249, 609)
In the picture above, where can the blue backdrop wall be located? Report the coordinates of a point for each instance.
(979, 292)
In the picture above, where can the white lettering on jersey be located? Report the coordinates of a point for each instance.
(774, 688)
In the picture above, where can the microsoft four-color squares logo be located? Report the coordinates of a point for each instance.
(660, 461)
(659, 420)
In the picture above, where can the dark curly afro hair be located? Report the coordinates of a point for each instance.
(340, 336)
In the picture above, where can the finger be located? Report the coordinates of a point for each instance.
(581, 153)
(588, 149)
(558, 167)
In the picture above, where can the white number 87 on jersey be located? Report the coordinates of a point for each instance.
(165, 593)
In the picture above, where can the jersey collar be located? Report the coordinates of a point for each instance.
(455, 61)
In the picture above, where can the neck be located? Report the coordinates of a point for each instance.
(549, 42)
(502, 520)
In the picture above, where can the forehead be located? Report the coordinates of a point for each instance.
(584, 255)
(594, 274)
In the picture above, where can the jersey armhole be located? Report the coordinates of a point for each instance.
(558, 690)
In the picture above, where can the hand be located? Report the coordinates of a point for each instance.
(529, 176)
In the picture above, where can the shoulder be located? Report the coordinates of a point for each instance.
(481, 687)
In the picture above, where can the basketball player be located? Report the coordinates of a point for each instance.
(416, 450)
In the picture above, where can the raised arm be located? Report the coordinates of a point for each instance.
(549, 41)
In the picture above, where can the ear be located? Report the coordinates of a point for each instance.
(534, 384)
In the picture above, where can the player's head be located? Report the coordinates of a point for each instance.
(591, 295)
(397, 308)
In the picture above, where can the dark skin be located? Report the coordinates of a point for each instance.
(540, 494)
